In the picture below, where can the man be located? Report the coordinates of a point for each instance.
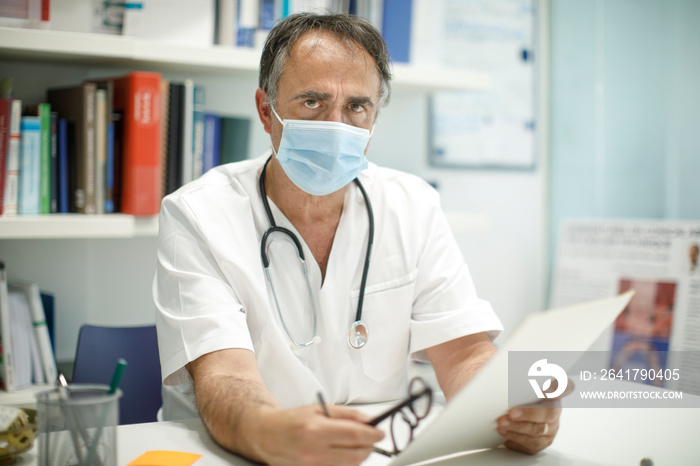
(256, 337)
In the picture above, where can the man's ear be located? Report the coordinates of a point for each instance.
(264, 111)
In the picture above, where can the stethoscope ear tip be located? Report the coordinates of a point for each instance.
(316, 340)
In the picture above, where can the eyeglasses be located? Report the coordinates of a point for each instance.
(404, 417)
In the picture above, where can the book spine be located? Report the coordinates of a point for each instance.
(164, 128)
(173, 160)
(109, 170)
(212, 137)
(235, 136)
(11, 201)
(187, 130)
(138, 94)
(87, 177)
(5, 116)
(226, 22)
(63, 186)
(100, 149)
(396, 29)
(7, 370)
(30, 165)
(198, 132)
(44, 113)
(247, 21)
(48, 362)
(54, 163)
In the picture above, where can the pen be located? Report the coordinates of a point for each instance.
(322, 402)
(116, 379)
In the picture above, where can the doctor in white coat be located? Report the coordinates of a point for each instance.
(310, 270)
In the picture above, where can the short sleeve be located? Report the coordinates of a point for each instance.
(197, 310)
(446, 305)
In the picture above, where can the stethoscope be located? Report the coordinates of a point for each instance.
(358, 334)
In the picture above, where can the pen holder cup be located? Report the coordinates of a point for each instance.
(78, 426)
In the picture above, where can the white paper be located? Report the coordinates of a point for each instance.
(469, 420)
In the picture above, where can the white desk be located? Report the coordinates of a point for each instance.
(587, 437)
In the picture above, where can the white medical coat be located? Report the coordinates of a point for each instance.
(211, 293)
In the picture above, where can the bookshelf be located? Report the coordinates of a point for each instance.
(85, 48)
(100, 267)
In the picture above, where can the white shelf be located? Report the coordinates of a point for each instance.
(23, 397)
(95, 49)
(65, 226)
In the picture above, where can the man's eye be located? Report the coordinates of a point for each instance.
(311, 103)
(357, 108)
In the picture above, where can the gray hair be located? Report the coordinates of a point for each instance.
(350, 29)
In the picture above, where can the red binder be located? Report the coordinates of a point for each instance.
(137, 96)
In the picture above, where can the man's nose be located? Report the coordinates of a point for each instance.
(334, 113)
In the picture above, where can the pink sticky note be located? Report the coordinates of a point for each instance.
(165, 458)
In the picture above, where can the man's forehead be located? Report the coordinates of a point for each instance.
(311, 40)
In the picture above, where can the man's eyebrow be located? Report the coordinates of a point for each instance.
(313, 95)
(361, 101)
(321, 96)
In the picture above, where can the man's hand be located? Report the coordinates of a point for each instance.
(244, 417)
(532, 428)
(306, 436)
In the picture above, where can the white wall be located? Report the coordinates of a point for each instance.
(109, 281)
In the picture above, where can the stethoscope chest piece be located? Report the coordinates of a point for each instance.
(357, 338)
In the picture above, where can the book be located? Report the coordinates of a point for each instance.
(235, 136)
(30, 166)
(36, 308)
(247, 21)
(173, 159)
(11, 199)
(212, 142)
(396, 29)
(62, 177)
(187, 129)
(5, 118)
(226, 12)
(71, 142)
(164, 106)
(117, 157)
(7, 371)
(77, 104)
(48, 301)
(198, 132)
(109, 168)
(100, 149)
(137, 99)
(27, 358)
(104, 145)
(54, 164)
(43, 111)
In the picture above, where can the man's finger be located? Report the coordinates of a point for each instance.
(531, 429)
(344, 412)
(537, 413)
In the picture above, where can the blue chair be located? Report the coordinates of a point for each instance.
(96, 357)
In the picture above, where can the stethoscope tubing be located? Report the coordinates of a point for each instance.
(274, 228)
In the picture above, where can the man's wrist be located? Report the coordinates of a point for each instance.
(256, 430)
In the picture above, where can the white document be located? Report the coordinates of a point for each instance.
(468, 422)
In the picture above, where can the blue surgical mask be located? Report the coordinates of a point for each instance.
(320, 157)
